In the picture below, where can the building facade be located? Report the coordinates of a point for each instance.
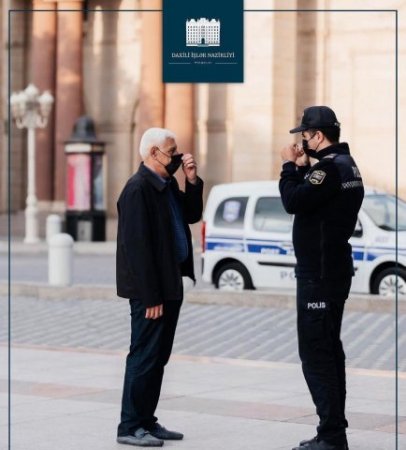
(108, 66)
(202, 32)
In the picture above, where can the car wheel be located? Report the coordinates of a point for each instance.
(232, 277)
(385, 282)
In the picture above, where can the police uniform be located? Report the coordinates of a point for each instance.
(325, 200)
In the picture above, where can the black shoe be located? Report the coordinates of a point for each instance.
(140, 438)
(307, 441)
(315, 444)
(160, 432)
(310, 441)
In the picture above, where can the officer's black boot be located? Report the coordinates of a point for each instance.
(309, 441)
(316, 444)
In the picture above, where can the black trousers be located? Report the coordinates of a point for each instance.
(150, 349)
(320, 308)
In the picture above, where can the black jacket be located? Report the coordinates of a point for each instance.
(325, 199)
(146, 266)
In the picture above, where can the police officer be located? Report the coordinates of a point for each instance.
(325, 198)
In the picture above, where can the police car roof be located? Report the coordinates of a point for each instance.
(247, 187)
(369, 190)
(271, 187)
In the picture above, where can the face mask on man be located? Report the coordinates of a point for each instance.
(174, 164)
(309, 152)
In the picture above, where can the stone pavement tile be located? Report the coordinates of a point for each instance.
(50, 390)
(372, 440)
(42, 408)
(252, 394)
(206, 432)
(202, 432)
(366, 405)
(112, 396)
(271, 412)
(392, 427)
(211, 330)
(104, 381)
(229, 373)
(235, 378)
(90, 415)
(79, 368)
(17, 399)
(214, 376)
(63, 433)
(380, 385)
(357, 421)
(173, 387)
(295, 382)
(231, 408)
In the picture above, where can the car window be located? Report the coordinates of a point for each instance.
(231, 212)
(381, 208)
(358, 231)
(270, 215)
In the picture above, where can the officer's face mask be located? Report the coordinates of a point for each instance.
(174, 164)
(310, 152)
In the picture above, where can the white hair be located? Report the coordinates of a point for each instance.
(154, 137)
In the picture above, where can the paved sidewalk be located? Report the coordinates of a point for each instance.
(69, 400)
(214, 330)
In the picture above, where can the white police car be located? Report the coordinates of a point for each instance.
(247, 240)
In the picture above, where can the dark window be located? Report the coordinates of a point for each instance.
(231, 212)
(270, 215)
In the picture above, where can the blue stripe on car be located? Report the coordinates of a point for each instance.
(237, 244)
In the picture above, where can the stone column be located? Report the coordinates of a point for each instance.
(69, 84)
(179, 117)
(284, 84)
(322, 37)
(42, 70)
(252, 102)
(219, 136)
(308, 52)
(152, 91)
(179, 114)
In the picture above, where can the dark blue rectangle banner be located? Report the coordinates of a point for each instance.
(203, 41)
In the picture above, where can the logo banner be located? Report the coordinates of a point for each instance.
(203, 41)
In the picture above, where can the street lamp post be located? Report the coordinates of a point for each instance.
(31, 110)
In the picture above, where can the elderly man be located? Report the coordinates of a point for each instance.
(154, 251)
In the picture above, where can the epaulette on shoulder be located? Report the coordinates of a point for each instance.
(327, 160)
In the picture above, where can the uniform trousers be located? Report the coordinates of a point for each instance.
(150, 349)
(320, 307)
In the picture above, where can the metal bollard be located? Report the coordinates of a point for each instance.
(60, 260)
(54, 225)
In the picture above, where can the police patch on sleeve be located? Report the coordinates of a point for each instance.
(317, 177)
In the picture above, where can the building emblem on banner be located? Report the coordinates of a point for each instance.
(202, 32)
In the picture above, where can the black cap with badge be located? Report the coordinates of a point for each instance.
(316, 117)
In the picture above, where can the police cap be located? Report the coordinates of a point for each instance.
(317, 117)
